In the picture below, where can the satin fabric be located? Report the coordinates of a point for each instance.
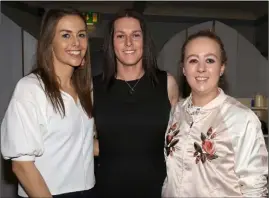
(215, 151)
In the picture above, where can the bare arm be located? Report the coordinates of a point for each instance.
(95, 140)
(173, 90)
(31, 179)
(95, 143)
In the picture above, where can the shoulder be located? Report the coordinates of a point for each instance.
(176, 111)
(240, 110)
(28, 88)
(29, 83)
(240, 116)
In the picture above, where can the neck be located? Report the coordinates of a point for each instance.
(129, 72)
(64, 74)
(201, 100)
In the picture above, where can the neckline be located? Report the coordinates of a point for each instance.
(212, 104)
(130, 81)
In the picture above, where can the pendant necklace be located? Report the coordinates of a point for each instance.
(132, 89)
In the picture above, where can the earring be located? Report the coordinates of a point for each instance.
(220, 74)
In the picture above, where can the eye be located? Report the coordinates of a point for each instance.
(66, 35)
(120, 36)
(136, 35)
(82, 35)
(210, 60)
(193, 61)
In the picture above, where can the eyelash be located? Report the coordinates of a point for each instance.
(134, 35)
(68, 35)
(211, 61)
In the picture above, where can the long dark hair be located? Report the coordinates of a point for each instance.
(44, 70)
(149, 62)
(211, 35)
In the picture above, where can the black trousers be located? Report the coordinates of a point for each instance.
(79, 194)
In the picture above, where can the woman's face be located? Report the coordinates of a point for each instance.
(70, 41)
(128, 41)
(202, 65)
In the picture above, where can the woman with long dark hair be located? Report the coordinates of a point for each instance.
(47, 130)
(132, 102)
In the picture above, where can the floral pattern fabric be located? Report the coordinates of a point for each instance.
(215, 151)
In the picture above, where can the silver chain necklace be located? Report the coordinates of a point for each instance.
(132, 90)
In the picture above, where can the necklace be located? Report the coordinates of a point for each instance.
(132, 90)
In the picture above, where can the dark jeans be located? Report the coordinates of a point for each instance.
(79, 194)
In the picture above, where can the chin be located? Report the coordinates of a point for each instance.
(75, 63)
(131, 62)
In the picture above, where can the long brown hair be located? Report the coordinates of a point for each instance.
(44, 70)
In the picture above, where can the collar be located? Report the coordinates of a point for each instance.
(200, 112)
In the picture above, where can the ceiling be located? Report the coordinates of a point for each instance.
(242, 10)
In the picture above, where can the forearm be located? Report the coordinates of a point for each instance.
(31, 180)
(96, 147)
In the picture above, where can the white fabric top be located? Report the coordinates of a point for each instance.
(215, 151)
(62, 148)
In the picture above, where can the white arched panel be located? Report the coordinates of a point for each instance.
(202, 26)
(263, 76)
(169, 57)
(249, 66)
(230, 46)
(246, 71)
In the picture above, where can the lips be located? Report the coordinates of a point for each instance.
(129, 51)
(200, 78)
(74, 52)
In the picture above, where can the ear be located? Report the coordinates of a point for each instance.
(183, 70)
(222, 69)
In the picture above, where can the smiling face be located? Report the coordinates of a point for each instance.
(128, 41)
(203, 65)
(70, 42)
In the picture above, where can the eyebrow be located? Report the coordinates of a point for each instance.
(69, 31)
(208, 54)
(135, 31)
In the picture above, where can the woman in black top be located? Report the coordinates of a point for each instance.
(132, 102)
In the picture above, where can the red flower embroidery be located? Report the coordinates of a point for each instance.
(208, 150)
(209, 132)
(208, 147)
(173, 127)
(170, 140)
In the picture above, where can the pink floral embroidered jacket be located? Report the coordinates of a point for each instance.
(215, 151)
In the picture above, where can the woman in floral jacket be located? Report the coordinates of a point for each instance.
(214, 145)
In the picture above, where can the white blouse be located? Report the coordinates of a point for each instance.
(215, 151)
(62, 148)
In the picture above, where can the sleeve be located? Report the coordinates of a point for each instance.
(20, 132)
(251, 160)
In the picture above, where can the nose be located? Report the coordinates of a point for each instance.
(201, 67)
(75, 41)
(128, 41)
